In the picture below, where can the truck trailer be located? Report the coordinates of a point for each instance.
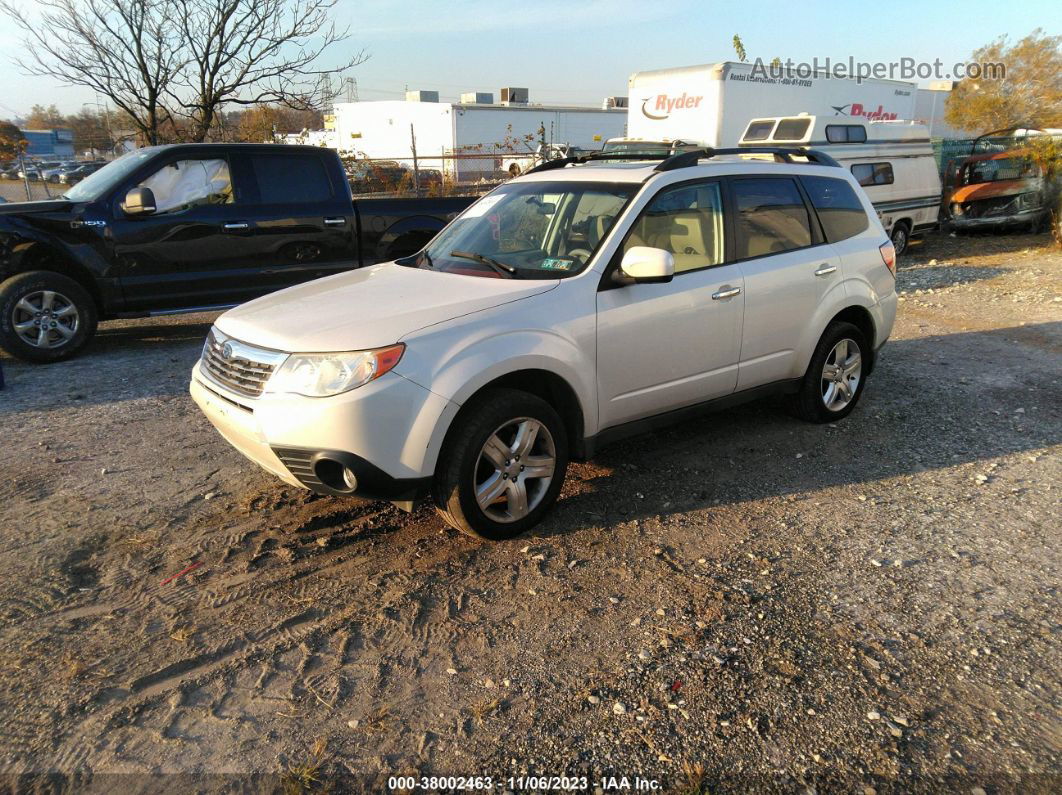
(711, 104)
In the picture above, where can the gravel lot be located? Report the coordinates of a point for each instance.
(743, 602)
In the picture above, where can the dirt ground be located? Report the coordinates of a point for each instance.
(742, 602)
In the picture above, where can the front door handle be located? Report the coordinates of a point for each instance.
(237, 226)
(825, 270)
(335, 221)
(725, 292)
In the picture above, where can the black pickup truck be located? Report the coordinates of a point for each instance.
(190, 227)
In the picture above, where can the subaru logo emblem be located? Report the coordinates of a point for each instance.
(226, 350)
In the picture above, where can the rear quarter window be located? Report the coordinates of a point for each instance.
(291, 178)
(837, 205)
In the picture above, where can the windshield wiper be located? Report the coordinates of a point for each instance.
(498, 267)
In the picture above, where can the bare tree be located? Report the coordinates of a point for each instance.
(247, 52)
(127, 50)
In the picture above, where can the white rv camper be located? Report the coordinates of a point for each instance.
(892, 160)
(710, 104)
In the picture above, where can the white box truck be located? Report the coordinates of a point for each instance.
(711, 104)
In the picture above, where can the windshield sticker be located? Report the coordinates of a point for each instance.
(480, 208)
(556, 263)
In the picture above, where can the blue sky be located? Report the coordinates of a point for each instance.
(576, 53)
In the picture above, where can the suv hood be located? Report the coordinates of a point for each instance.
(367, 308)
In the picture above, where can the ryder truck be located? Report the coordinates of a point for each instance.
(711, 104)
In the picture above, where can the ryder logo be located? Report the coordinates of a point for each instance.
(858, 110)
(661, 106)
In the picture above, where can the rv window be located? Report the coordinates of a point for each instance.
(838, 207)
(792, 129)
(759, 130)
(771, 217)
(846, 133)
(867, 174)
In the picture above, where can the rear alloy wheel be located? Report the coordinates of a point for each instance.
(900, 237)
(503, 465)
(44, 316)
(834, 380)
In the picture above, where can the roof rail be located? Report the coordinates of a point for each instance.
(785, 154)
(565, 161)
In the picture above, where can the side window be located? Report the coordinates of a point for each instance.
(291, 178)
(838, 207)
(771, 217)
(846, 133)
(867, 174)
(184, 184)
(688, 222)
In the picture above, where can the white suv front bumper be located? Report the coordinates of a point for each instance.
(384, 434)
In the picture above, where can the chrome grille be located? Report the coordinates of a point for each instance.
(237, 366)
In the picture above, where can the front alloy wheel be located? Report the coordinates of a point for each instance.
(502, 465)
(45, 319)
(514, 470)
(45, 316)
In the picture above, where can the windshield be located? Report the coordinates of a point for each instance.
(99, 182)
(998, 170)
(530, 230)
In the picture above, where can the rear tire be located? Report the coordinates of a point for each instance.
(45, 316)
(835, 378)
(502, 466)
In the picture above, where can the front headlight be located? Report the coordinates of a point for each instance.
(325, 374)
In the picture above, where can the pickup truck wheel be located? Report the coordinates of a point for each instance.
(835, 378)
(503, 465)
(45, 316)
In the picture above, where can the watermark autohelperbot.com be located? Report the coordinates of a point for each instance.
(902, 69)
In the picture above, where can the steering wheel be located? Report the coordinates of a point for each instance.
(582, 253)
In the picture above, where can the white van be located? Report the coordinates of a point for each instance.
(892, 160)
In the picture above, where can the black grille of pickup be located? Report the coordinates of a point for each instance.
(239, 373)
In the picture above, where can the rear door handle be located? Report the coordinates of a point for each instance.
(335, 221)
(825, 270)
(725, 292)
(237, 226)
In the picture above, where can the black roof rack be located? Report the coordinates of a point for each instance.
(784, 154)
(669, 162)
(567, 161)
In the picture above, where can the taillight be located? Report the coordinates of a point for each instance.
(888, 256)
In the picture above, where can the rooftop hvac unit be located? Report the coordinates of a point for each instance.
(422, 96)
(477, 98)
(514, 96)
(614, 102)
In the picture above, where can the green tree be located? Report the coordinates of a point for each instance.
(1029, 95)
(739, 48)
(12, 141)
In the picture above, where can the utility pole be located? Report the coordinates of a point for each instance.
(416, 166)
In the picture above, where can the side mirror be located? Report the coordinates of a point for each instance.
(646, 265)
(139, 201)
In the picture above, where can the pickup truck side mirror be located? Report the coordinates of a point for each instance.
(646, 265)
(139, 201)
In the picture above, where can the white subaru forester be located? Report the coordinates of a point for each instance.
(586, 301)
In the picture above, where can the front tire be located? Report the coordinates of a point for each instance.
(502, 466)
(835, 378)
(45, 316)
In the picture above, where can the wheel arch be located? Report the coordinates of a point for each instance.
(36, 255)
(861, 318)
(545, 384)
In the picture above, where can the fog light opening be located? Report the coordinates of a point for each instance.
(334, 475)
